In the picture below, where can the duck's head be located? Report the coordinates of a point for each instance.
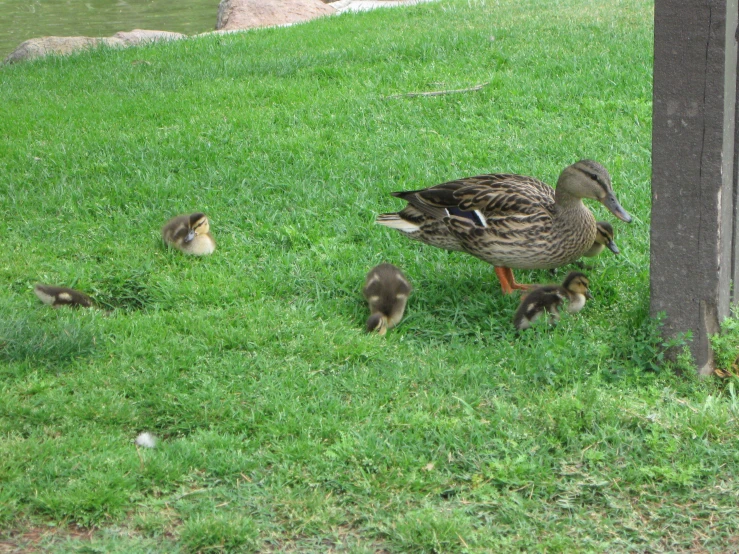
(377, 323)
(198, 226)
(589, 179)
(577, 283)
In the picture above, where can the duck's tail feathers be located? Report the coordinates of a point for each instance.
(394, 221)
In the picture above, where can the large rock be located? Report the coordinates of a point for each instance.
(247, 14)
(38, 47)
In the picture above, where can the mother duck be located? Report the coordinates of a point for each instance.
(510, 221)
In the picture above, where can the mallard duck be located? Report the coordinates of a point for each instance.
(386, 290)
(62, 296)
(510, 221)
(190, 234)
(547, 299)
(603, 239)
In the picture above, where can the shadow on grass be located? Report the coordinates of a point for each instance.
(40, 339)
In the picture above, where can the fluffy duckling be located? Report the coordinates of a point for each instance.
(386, 290)
(189, 234)
(547, 299)
(603, 239)
(62, 296)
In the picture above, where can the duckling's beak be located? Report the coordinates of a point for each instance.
(612, 204)
(588, 294)
(613, 248)
(377, 322)
(190, 236)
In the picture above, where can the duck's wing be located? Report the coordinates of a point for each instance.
(503, 195)
(478, 199)
(176, 228)
(434, 201)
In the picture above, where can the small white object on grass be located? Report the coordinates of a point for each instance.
(146, 440)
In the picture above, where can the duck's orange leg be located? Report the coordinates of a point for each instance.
(508, 281)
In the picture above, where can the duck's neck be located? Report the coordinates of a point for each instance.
(572, 212)
(573, 226)
(567, 201)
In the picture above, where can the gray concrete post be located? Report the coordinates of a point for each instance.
(692, 235)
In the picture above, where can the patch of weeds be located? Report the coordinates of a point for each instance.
(647, 349)
(219, 533)
(431, 531)
(726, 345)
(125, 289)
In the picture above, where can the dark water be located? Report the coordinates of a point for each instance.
(24, 19)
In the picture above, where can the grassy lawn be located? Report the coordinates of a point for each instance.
(282, 426)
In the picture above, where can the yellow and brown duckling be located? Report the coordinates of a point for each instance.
(62, 296)
(386, 290)
(603, 239)
(189, 234)
(548, 298)
(510, 221)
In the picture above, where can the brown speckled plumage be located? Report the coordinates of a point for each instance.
(510, 221)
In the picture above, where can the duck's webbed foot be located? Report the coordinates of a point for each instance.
(508, 281)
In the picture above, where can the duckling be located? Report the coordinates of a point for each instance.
(62, 296)
(386, 290)
(603, 239)
(548, 298)
(189, 234)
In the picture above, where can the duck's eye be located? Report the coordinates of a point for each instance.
(593, 176)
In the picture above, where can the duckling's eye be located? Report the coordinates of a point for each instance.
(593, 176)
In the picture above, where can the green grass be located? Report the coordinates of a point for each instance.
(726, 344)
(282, 426)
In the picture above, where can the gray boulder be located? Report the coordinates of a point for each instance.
(38, 47)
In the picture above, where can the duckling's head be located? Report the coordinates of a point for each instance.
(605, 236)
(589, 179)
(198, 226)
(577, 283)
(377, 322)
(603, 239)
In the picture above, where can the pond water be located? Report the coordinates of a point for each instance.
(24, 19)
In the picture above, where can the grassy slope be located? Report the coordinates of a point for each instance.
(283, 425)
